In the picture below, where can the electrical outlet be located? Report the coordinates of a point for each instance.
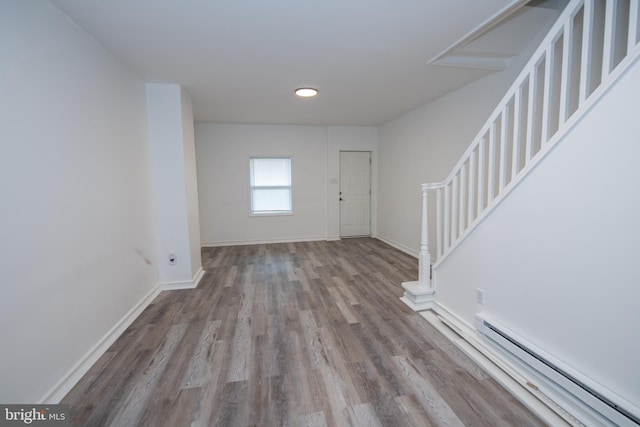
(172, 259)
(480, 296)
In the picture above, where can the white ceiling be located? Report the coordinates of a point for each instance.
(240, 60)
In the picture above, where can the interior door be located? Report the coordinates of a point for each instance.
(355, 193)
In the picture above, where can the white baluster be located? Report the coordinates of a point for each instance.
(609, 37)
(481, 152)
(587, 51)
(472, 185)
(515, 152)
(502, 166)
(632, 37)
(447, 217)
(439, 248)
(565, 81)
(546, 99)
(491, 168)
(454, 209)
(463, 195)
(531, 111)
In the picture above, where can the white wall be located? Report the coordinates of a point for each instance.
(423, 146)
(558, 258)
(349, 138)
(222, 154)
(78, 249)
(174, 183)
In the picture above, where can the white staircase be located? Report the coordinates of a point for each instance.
(589, 47)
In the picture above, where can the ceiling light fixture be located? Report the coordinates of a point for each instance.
(306, 92)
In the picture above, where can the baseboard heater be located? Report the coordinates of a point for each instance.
(603, 407)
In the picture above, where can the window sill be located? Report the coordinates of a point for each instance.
(263, 214)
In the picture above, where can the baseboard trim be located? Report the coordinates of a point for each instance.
(398, 246)
(262, 242)
(505, 373)
(183, 284)
(71, 378)
(176, 286)
(198, 277)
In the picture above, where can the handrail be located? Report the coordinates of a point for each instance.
(586, 50)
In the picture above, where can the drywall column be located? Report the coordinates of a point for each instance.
(171, 138)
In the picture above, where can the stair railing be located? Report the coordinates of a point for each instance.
(591, 44)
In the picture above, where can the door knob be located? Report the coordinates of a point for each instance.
(341, 199)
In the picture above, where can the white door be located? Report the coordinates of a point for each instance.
(355, 193)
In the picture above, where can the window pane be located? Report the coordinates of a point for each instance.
(265, 200)
(271, 172)
(270, 184)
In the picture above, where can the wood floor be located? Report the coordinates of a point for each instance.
(297, 334)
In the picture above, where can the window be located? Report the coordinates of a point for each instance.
(270, 180)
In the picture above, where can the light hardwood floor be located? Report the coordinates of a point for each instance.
(299, 334)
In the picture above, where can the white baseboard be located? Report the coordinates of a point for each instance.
(506, 374)
(176, 286)
(262, 242)
(183, 284)
(198, 277)
(398, 246)
(71, 378)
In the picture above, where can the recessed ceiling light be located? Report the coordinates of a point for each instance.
(306, 92)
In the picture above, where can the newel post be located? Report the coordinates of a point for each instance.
(419, 294)
(424, 260)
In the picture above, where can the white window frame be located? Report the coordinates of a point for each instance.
(253, 213)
